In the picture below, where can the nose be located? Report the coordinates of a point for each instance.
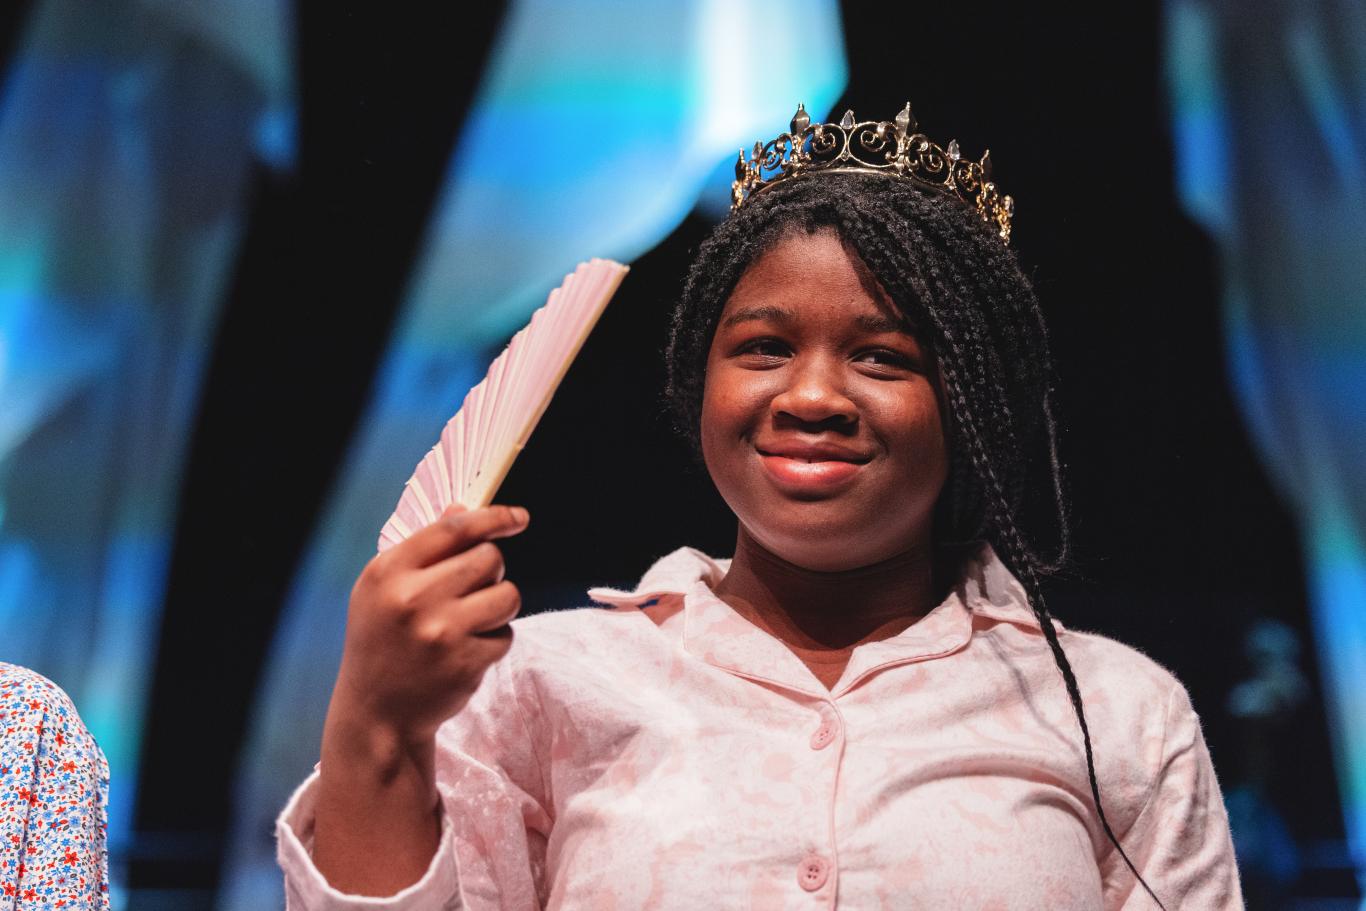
(815, 393)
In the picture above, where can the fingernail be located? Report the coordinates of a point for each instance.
(521, 515)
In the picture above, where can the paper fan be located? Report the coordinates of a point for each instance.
(479, 444)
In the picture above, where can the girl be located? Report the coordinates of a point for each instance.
(867, 706)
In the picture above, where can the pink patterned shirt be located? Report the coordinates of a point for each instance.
(684, 758)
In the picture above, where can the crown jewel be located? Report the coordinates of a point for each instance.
(886, 147)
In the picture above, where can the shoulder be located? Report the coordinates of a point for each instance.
(575, 640)
(21, 687)
(1126, 685)
(1004, 616)
(1105, 668)
(28, 700)
(1117, 671)
(570, 619)
(1131, 700)
(555, 629)
(1139, 711)
(632, 617)
(38, 717)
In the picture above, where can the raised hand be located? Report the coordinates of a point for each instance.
(427, 618)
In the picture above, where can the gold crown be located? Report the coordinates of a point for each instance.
(871, 147)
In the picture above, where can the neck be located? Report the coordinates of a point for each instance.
(825, 611)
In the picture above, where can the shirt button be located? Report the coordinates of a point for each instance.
(813, 872)
(823, 735)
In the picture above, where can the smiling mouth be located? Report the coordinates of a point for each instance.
(812, 475)
(812, 459)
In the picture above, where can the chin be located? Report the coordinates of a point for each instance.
(825, 547)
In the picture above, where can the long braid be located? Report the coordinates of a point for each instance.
(1024, 562)
(1021, 556)
(948, 272)
(995, 270)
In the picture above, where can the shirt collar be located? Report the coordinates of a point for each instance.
(714, 632)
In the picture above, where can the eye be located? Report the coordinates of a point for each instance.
(886, 357)
(763, 348)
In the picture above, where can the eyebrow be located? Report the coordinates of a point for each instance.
(866, 322)
(773, 314)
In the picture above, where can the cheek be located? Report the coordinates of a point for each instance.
(717, 434)
(918, 432)
(730, 403)
(714, 418)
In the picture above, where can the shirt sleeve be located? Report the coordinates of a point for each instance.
(54, 792)
(1180, 842)
(494, 826)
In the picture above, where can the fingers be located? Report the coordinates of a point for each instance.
(490, 608)
(458, 530)
(480, 566)
(478, 624)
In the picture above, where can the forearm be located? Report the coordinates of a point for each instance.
(378, 822)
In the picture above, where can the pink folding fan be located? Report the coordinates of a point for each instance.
(479, 444)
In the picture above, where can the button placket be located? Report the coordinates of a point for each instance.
(815, 870)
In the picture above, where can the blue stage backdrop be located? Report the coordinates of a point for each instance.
(596, 129)
(127, 131)
(1270, 130)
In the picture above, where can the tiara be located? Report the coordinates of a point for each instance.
(871, 147)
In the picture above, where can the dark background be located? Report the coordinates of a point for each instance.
(1180, 540)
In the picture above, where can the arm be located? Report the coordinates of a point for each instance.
(491, 792)
(427, 620)
(376, 798)
(1180, 840)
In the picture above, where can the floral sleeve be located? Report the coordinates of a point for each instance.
(54, 785)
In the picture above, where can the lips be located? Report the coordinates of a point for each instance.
(811, 468)
(814, 452)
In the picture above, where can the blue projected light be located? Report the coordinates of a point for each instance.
(1294, 273)
(127, 132)
(596, 129)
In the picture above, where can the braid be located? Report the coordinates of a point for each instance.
(1025, 564)
(950, 274)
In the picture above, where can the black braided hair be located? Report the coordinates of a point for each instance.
(950, 274)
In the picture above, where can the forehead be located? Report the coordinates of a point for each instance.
(805, 277)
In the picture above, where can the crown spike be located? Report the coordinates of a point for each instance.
(847, 121)
(740, 168)
(985, 165)
(800, 120)
(905, 120)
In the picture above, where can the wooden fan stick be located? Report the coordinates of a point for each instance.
(479, 444)
(485, 486)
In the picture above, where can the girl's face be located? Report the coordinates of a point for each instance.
(821, 425)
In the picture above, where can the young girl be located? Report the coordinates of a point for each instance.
(867, 706)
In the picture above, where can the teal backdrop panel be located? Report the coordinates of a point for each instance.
(1270, 128)
(127, 133)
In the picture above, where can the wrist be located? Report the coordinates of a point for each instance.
(376, 797)
(374, 748)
